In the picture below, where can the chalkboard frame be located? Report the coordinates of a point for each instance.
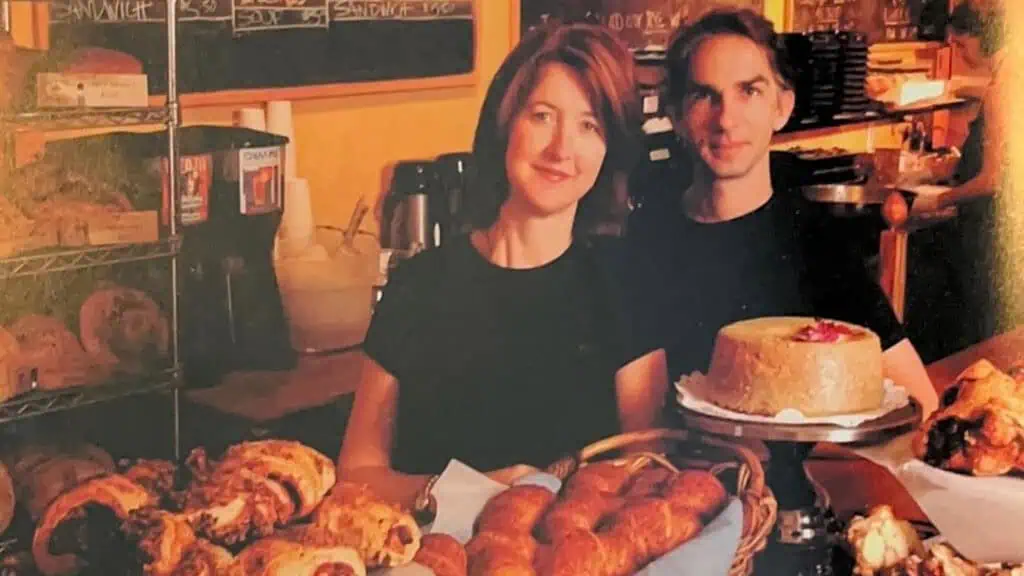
(248, 96)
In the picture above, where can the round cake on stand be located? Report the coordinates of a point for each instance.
(792, 383)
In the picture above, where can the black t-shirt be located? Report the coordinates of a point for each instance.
(774, 261)
(501, 366)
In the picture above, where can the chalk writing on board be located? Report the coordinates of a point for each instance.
(136, 11)
(350, 10)
(262, 15)
(106, 11)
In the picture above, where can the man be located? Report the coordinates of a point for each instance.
(730, 241)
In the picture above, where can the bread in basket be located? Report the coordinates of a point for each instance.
(614, 516)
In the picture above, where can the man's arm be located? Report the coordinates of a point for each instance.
(902, 364)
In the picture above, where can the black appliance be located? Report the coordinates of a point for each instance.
(455, 176)
(231, 313)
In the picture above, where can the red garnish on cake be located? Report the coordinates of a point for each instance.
(824, 331)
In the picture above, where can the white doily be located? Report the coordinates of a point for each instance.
(896, 397)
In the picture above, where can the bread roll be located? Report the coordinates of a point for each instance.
(698, 491)
(515, 510)
(580, 511)
(7, 501)
(653, 528)
(442, 554)
(607, 477)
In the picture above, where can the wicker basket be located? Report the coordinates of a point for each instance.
(720, 458)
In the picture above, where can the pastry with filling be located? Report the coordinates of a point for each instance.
(979, 426)
(819, 367)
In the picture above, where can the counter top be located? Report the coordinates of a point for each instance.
(855, 484)
(262, 396)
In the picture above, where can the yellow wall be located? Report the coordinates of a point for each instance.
(345, 145)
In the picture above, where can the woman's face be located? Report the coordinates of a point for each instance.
(556, 145)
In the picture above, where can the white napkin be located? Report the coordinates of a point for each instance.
(896, 397)
(461, 493)
(980, 517)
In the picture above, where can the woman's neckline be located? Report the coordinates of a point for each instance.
(488, 263)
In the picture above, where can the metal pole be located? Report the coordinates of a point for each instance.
(173, 121)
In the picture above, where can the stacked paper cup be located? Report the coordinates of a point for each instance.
(295, 238)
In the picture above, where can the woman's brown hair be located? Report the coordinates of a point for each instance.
(604, 66)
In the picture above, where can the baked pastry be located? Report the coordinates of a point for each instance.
(442, 554)
(880, 541)
(383, 534)
(579, 510)
(274, 557)
(606, 477)
(651, 528)
(49, 347)
(819, 367)
(43, 471)
(10, 386)
(696, 491)
(508, 554)
(123, 327)
(108, 497)
(515, 510)
(979, 426)
(161, 539)
(7, 500)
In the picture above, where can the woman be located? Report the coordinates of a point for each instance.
(511, 347)
(956, 293)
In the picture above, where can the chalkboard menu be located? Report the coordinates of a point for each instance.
(643, 24)
(248, 44)
(881, 20)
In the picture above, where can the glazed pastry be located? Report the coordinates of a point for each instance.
(442, 554)
(647, 483)
(515, 510)
(979, 427)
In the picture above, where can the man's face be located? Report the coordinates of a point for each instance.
(733, 107)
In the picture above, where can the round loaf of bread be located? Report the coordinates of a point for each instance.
(819, 367)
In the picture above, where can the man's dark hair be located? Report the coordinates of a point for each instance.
(986, 25)
(733, 22)
(604, 67)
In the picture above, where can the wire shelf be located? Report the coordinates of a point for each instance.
(9, 546)
(40, 402)
(76, 118)
(87, 257)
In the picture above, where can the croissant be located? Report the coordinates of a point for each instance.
(515, 510)
(442, 554)
(114, 493)
(381, 533)
(697, 491)
(274, 557)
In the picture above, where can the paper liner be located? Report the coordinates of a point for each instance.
(896, 397)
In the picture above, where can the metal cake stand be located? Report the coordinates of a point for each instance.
(806, 531)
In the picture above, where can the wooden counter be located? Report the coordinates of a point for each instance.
(265, 395)
(855, 484)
